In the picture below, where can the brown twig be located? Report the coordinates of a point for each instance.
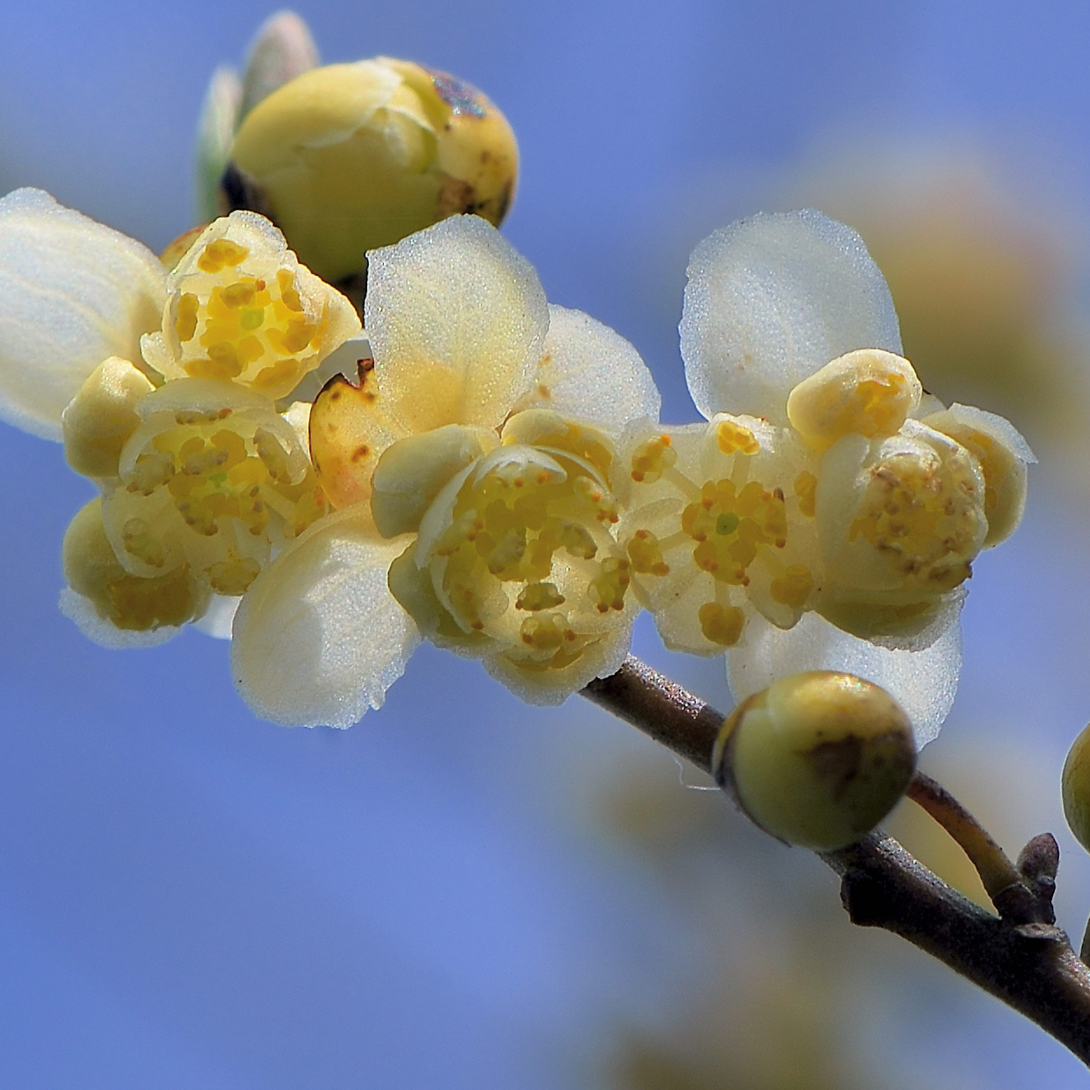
(1019, 957)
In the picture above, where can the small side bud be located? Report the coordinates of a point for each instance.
(817, 759)
(281, 50)
(216, 129)
(1076, 788)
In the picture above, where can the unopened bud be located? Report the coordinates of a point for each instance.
(817, 759)
(351, 157)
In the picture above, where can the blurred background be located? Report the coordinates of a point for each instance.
(464, 892)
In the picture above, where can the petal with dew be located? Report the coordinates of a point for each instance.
(923, 682)
(770, 300)
(73, 292)
(457, 320)
(319, 638)
(592, 373)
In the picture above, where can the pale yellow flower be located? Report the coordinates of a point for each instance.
(826, 486)
(473, 467)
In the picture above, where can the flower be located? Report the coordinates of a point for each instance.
(167, 383)
(830, 510)
(472, 468)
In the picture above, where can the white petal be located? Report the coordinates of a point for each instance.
(770, 300)
(72, 292)
(318, 637)
(82, 613)
(923, 682)
(457, 321)
(591, 372)
(219, 617)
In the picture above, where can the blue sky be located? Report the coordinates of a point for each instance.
(189, 897)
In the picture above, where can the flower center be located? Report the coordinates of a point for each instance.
(924, 514)
(228, 479)
(527, 556)
(233, 324)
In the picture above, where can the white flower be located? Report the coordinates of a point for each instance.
(828, 514)
(473, 468)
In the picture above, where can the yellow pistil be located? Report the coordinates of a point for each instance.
(730, 526)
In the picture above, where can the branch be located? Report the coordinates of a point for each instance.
(1019, 957)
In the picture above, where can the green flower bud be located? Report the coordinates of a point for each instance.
(817, 759)
(1076, 788)
(350, 157)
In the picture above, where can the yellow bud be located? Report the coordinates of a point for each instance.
(1076, 788)
(817, 759)
(350, 157)
(99, 420)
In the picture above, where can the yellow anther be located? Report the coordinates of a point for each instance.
(240, 294)
(272, 454)
(721, 625)
(233, 577)
(538, 596)
(646, 555)
(293, 338)
(608, 590)
(221, 254)
(151, 470)
(545, 633)
(651, 459)
(285, 281)
(806, 491)
(735, 439)
(233, 446)
(138, 542)
(868, 392)
(729, 527)
(793, 587)
(577, 540)
(186, 322)
(505, 558)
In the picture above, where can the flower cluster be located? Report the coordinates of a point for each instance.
(491, 474)
(202, 479)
